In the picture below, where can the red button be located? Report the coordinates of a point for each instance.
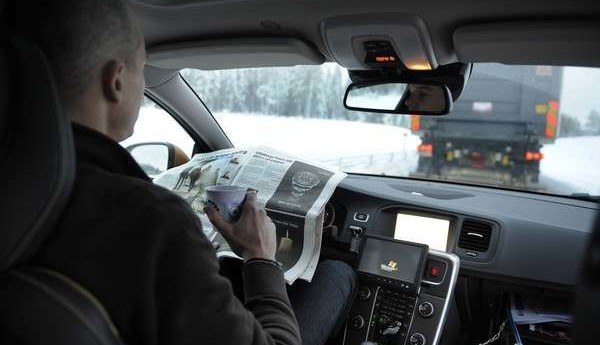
(435, 271)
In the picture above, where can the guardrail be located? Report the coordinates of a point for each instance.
(366, 161)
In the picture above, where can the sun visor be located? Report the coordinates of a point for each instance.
(537, 42)
(346, 37)
(234, 53)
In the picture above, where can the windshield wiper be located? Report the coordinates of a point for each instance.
(585, 197)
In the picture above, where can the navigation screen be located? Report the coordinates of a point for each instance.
(390, 259)
(430, 231)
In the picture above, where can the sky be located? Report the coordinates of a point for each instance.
(581, 91)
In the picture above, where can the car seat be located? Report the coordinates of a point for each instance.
(37, 169)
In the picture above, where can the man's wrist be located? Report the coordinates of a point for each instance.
(263, 277)
(259, 256)
(258, 260)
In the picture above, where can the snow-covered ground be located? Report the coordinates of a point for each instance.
(155, 124)
(353, 146)
(315, 138)
(569, 165)
(572, 165)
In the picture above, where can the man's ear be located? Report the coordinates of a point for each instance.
(113, 75)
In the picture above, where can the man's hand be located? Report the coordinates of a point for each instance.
(253, 236)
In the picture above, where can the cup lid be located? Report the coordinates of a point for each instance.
(225, 189)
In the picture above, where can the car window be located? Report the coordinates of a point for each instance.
(156, 125)
(534, 128)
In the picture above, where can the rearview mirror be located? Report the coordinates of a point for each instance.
(399, 98)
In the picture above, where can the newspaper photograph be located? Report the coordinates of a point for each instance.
(293, 192)
(190, 180)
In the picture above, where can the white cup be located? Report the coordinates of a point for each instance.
(227, 200)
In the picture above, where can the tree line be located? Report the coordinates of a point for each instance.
(571, 126)
(311, 92)
(300, 91)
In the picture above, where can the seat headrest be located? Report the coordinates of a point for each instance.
(36, 151)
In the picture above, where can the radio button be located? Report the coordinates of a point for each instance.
(426, 309)
(364, 292)
(417, 339)
(357, 322)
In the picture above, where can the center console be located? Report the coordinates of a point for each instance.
(403, 294)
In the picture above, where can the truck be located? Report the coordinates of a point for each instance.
(495, 133)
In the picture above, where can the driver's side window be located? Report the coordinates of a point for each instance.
(155, 125)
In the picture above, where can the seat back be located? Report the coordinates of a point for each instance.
(40, 306)
(587, 304)
(37, 170)
(36, 152)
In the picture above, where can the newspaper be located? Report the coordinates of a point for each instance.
(293, 192)
(535, 311)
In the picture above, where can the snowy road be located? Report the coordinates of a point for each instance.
(350, 146)
(570, 164)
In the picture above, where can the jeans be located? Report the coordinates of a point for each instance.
(321, 306)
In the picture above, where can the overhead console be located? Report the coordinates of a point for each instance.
(404, 292)
(369, 41)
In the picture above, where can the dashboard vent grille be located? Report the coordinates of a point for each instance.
(475, 235)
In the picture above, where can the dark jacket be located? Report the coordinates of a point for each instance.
(141, 251)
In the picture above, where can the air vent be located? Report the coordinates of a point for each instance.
(475, 235)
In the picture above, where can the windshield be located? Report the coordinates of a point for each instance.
(533, 128)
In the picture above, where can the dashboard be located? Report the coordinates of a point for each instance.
(496, 233)
(414, 241)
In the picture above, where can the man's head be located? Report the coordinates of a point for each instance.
(424, 97)
(97, 54)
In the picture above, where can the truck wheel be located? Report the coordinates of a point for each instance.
(424, 166)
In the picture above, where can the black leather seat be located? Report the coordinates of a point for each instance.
(40, 306)
(37, 306)
(587, 306)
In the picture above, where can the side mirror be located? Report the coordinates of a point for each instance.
(399, 98)
(156, 158)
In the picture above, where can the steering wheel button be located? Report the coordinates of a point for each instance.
(361, 217)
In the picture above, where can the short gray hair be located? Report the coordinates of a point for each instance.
(78, 36)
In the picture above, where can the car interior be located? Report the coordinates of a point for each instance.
(489, 248)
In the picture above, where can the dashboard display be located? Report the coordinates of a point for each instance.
(420, 229)
(391, 259)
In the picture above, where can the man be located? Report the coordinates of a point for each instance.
(137, 247)
(422, 97)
